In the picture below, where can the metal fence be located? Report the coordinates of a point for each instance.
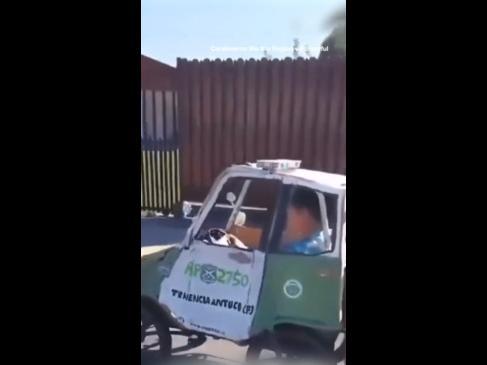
(160, 178)
(237, 111)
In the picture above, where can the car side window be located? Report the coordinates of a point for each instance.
(308, 223)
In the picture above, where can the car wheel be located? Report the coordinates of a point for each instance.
(314, 350)
(305, 345)
(152, 319)
(297, 345)
(341, 350)
(254, 353)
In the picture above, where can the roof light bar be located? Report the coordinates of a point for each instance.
(273, 165)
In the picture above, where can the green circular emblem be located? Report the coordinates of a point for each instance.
(292, 289)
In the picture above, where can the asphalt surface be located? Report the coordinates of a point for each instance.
(210, 352)
(162, 230)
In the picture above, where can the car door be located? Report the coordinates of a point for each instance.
(214, 288)
(302, 288)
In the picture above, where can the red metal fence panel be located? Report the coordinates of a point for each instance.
(237, 111)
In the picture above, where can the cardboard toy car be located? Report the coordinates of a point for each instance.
(263, 264)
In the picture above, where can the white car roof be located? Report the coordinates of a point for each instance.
(334, 181)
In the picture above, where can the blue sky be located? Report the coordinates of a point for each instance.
(232, 28)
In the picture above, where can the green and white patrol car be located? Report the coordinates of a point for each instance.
(231, 277)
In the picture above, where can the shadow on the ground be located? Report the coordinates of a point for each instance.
(151, 357)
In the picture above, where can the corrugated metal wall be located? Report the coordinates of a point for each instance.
(238, 111)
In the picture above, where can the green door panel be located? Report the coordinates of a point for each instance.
(302, 290)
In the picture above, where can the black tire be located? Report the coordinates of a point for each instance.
(341, 351)
(344, 301)
(254, 350)
(298, 345)
(150, 316)
(310, 348)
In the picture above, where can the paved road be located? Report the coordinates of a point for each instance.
(162, 230)
(210, 352)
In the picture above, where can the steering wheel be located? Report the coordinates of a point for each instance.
(215, 236)
(219, 237)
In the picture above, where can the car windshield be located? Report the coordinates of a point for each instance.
(243, 211)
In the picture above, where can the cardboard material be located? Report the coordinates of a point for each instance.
(249, 236)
